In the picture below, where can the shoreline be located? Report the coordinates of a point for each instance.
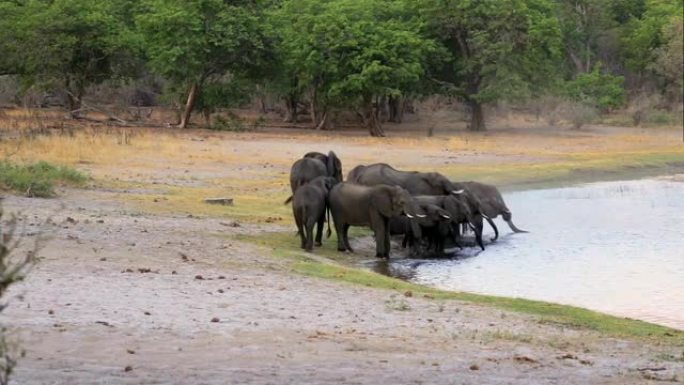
(137, 262)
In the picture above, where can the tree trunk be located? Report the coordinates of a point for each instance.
(371, 119)
(291, 109)
(477, 122)
(189, 105)
(324, 118)
(74, 98)
(312, 108)
(396, 109)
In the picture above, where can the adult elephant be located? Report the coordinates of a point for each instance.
(370, 206)
(311, 166)
(416, 183)
(333, 164)
(459, 209)
(490, 204)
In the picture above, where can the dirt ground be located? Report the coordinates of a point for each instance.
(141, 283)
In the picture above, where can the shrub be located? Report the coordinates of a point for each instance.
(641, 106)
(13, 268)
(37, 179)
(229, 122)
(603, 91)
(578, 114)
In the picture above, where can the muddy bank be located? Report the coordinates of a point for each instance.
(115, 289)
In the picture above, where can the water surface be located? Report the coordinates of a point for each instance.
(616, 247)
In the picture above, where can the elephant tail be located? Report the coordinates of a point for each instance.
(327, 211)
(288, 200)
(507, 216)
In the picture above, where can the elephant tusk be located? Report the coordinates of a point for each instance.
(456, 192)
(485, 216)
(421, 215)
(445, 216)
(409, 215)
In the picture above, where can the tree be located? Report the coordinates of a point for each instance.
(653, 45)
(66, 44)
(350, 53)
(499, 49)
(194, 42)
(668, 60)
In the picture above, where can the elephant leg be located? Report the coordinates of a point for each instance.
(479, 225)
(339, 231)
(345, 238)
(319, 232)
(387, 238)
(496, 231)
(300, 230)
(379, 227)
(309, 234)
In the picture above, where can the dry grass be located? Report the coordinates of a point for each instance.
(171, 171)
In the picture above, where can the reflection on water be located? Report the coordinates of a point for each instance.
(616, 247)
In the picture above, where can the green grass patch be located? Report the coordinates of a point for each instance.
(581, 168)
(570, 316)
(37, 179)
(327, 263)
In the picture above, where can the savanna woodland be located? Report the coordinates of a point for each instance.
(147, 148)
(344, 62)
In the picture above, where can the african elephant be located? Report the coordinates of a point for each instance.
(459, 209)
(435, 227)
(490, 204)
(416, 183)
(332, 163)
(372, 206)
(311, 166)
(309, 204)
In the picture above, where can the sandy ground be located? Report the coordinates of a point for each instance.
(126, 296)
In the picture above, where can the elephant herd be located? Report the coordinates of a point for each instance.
(431, 212)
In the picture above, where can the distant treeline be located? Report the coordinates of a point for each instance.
(368, 58)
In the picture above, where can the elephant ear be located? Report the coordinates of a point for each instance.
(334, 166)
(383, 201)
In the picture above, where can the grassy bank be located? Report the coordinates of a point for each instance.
(272, 188)
(327, 263)
(37, 179)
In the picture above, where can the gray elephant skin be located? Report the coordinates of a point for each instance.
(333, 164)
(459, 209)
(368, 206)
(490, 203)
(311, 166)
(416, 183)
(309, 205)
(434, 227)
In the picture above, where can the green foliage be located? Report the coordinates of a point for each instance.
(67, 44)
(507, 49)
(37, 179)
(224, 94)
(597, 89)
(349, 51)
(644, 35)
(230, 122)
(188, 41)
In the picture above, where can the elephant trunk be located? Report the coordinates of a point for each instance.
(507, 216)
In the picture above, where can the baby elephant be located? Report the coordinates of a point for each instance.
(309, 205)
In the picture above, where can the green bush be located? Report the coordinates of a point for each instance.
(602, 91)
(37, 179)
(230, 122)
(660, 117)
